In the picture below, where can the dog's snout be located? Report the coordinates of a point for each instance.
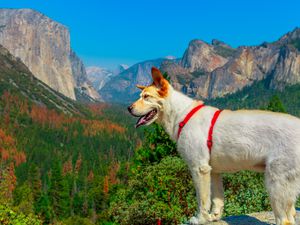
(129, 108)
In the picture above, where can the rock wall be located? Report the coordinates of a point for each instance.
(44, 47)
(214, 70)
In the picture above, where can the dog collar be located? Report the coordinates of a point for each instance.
(211, 128)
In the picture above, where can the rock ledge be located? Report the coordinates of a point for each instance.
(261, 218)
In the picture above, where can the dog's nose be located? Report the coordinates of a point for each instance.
(129, 108)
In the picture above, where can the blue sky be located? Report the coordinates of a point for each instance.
(110, 32)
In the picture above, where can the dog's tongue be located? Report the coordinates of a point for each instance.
(142, 120)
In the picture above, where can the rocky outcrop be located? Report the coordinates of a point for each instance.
(44, 47)
(199, 75)
(201, 56)
(261, 218)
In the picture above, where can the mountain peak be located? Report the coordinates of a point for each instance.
(290, 36)
(201, 56)
(218, 43)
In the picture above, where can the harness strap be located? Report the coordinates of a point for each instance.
(211, 129)
(188, 117)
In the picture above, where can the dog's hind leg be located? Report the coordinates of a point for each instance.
(217, 196)
(202, 182)
(291, 212)
(282, 187)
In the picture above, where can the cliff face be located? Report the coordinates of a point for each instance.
(201, 56)
(82, 82)
(214, 70)
(44, 47)
(18, 79)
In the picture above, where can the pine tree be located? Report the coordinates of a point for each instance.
(58, 192)
(23, 199)
(276, 105)
(44, 209)
(34, 178)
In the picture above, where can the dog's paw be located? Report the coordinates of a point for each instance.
(197, 221)
(216, 212)
(216, 216)
(194, 221)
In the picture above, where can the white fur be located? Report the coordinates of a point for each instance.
(243, 139)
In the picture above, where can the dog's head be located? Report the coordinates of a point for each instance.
(150, 104)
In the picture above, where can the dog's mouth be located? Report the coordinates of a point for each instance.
(146, 119)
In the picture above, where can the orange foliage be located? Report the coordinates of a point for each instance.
(8, 150)
(113, 171)
(9, 99)
(45, 116)
(91, 176)
(78, 164)
(111, 178)
(97, 109)
(6, 139)
(8, 182)
(19, 158)
(11, 178)
(106, 185)
(67, 167)
(4, 155)
(53, 119)
(93, 127)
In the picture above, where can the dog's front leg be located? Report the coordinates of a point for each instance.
(217, 196)
(202, 182)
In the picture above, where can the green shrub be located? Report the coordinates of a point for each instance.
(10, 217)
(77, 220)
(163, 190)
(245, 193)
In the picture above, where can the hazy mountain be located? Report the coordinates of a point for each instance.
(122, 88)
(120, 69)
(98, 76)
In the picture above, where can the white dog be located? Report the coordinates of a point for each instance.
(241, 140)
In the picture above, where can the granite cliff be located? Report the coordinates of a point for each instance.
(44, 47)
(214, 70)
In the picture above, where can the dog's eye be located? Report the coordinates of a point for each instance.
(146, 96)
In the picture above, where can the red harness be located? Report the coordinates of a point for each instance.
(211, 128)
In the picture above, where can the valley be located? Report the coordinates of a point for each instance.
(69, 152)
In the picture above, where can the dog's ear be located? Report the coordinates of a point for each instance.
(140, 87)
(160, 82)
(157, 77)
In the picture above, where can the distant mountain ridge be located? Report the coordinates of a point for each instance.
(122, 87)
(44, 47)
(99, 76)
(208, 71)
(278, 62)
